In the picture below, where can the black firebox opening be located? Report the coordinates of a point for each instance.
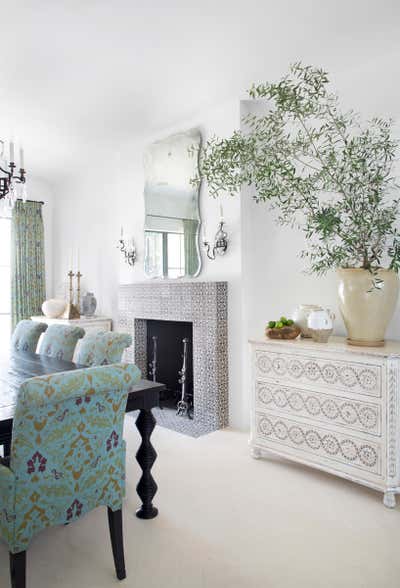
(167, 362)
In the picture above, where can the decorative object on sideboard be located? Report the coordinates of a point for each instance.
(71, 310)
(53, 308)
(320, 324)
(367, 311)
(282, 329)
(220, 244)
(300, 317)
(88, 304)
(127, 247)
(328, 172)
(12, 185)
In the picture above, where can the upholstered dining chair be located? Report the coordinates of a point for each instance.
(60, 341)
(67, 457)
(102, 348)
(26, 335)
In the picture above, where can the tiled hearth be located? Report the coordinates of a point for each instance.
(204, 304)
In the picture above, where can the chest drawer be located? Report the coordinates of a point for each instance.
(317, 442)
(318, 406)
(355, 377)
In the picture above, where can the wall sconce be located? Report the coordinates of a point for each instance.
(127, 247)
(220, 244)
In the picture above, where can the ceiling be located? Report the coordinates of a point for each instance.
(77, 75)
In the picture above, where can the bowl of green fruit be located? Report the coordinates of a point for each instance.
(282, 329)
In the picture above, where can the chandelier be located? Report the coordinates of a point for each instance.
(12, 182)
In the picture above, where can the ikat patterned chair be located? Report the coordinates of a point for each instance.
(67, 457)
(26, 335)
(60, 341)
(102, 348)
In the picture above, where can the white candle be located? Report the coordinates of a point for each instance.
(122, 232)
(221, 212)
(204, 232)
(21, 159)
(78, 260)
(71, 260)
(12, 151)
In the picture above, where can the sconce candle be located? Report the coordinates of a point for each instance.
(220, 242)
(127, 247)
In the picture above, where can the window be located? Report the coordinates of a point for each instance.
(165, 254)
(5, 282)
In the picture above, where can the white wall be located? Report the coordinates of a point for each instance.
(91, 209)
(265, 274)
(274, 278)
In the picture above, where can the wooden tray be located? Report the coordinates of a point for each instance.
(283, 333)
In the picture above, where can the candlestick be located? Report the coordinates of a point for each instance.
(71, 311)
(78, 290)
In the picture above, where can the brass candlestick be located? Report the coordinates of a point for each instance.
(78, 290)
(71, 311)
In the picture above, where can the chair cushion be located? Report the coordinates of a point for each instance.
(102, 348)
(26, 335)
(60, 341)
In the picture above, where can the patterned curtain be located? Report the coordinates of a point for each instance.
(28, 290)
(190, 245)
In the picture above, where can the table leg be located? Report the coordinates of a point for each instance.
(146, 456)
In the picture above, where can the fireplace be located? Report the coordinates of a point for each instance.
(202, 305)
(169, 360)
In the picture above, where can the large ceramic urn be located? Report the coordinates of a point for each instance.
(367, 310)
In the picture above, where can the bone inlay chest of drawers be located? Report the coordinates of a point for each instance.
(331, 406)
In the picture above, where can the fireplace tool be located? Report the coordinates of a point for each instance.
(153, 363)
(184, 406)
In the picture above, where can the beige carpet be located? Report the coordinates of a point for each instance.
(228, 521)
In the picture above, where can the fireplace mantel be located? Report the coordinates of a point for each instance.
(205, 305)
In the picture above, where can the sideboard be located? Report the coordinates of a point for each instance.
(330, 406)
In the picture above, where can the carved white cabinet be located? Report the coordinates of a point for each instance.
(330, 406)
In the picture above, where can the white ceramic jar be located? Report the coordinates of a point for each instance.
(300, 317)
(321, 319)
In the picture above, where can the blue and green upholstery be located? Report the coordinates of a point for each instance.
(60, 341)
(102, 348)
(26, 335)
(67, 452)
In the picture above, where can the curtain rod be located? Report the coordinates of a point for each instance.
(38, 201)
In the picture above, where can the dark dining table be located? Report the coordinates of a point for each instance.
(19, 366)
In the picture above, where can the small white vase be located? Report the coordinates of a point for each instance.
(320, 324)
(300, 317)
(53, 308)
(366, 310)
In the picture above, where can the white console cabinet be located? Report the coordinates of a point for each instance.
(330, 406)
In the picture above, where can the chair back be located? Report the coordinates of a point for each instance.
(102, 348)
(67, 451)
(60, 341)
(26, 335)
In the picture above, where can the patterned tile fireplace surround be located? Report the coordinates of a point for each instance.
(205, 305)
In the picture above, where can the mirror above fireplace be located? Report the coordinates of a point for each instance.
(172, 217)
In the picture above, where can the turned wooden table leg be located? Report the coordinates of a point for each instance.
(146, 456)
